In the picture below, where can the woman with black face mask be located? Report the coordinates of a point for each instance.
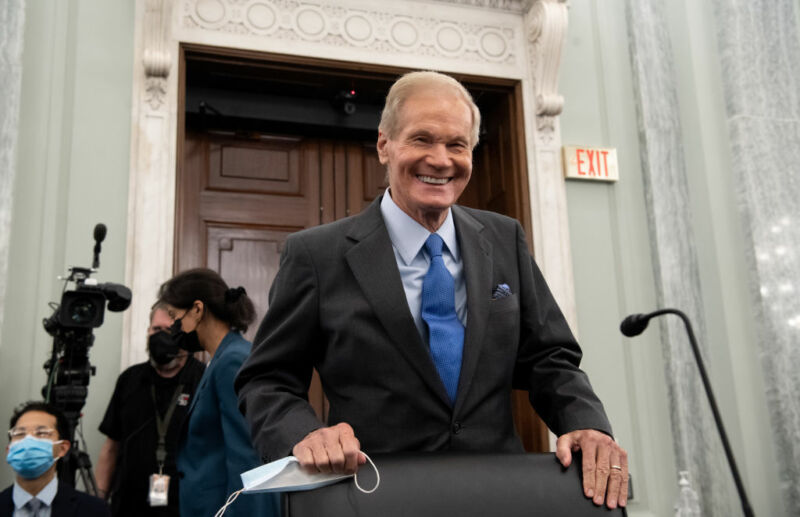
(215, 445)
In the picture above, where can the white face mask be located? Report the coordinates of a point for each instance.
(285, 475)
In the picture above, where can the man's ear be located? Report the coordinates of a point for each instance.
(61, 449)
(381, 146)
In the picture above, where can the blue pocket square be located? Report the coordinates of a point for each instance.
(501, 291)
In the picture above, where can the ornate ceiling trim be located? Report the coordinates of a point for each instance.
(513, 6)
(375, 29)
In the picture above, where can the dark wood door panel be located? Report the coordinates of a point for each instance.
(248, 257)
(366, 177)
(261, 180)
(267, 164)
(245, 207)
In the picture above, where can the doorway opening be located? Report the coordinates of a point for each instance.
(272, 144)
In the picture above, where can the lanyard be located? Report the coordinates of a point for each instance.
(163, 424)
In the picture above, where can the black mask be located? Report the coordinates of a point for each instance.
(162, 348)
(186, 340)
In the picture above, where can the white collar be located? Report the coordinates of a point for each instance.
(408, 236)
(45, 495)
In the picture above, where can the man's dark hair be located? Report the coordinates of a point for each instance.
(62, 425)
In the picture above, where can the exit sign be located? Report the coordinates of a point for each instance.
(591, 163)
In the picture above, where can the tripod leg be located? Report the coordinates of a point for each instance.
(87, 476)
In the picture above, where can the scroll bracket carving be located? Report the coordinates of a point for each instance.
(156, 57)
(546, 26)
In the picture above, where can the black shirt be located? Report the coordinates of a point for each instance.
(130, 420)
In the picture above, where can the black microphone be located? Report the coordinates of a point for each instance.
(99, 232)
(634, 325)
(99, 236)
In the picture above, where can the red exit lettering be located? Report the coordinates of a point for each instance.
(595, 167)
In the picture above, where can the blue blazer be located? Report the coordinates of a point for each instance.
(215, 446)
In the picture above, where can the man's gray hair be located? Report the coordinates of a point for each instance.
(414, 82)
(158, 306)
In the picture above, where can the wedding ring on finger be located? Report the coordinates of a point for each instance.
(616, 467)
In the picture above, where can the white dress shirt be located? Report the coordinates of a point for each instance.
(408, 242)
(46, 496)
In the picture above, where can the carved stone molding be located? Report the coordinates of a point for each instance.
(546, 26)
(151, 191)
(514, 6)
(377, 29)
(156, 57)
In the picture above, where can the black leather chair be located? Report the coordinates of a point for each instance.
(454, 485)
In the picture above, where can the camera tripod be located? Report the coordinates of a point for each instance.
(77, 464)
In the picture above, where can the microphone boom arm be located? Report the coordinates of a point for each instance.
(748, 511)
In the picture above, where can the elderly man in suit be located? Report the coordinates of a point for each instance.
(420, 316)
(38, 438)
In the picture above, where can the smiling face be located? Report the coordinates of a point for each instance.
(429, 158)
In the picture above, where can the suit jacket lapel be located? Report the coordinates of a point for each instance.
(64, 501)
(373, 264)
(196, 395)
(476, 253)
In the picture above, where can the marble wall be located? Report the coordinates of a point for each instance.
(759, 47)
(673, 248)
(12, 22)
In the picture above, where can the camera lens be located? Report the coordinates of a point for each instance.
(82, 311)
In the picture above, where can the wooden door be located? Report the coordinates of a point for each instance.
(239, 197)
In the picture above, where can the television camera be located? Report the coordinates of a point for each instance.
(68, 369)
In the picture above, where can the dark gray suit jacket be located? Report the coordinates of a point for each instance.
(338, 304)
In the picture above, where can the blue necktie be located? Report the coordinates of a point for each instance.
(445, 331)
(33, 507)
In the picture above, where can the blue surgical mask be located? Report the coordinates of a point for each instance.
(31, 457)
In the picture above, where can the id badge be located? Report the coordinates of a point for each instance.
(159, 489)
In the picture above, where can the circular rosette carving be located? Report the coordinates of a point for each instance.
(210, 14)
(310, 23)
(449, 39)
(404, 35)
(493, 44)
(358, 30)
(260, 17)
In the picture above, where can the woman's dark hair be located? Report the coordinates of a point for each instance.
(232, 306)
(62, 425)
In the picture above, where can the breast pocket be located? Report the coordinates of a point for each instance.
(502, 326)
(507, 303)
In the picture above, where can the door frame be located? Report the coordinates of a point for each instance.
(516, 178)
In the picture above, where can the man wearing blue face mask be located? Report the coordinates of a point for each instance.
(37, 440)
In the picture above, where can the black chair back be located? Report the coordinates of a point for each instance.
(454, 484)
